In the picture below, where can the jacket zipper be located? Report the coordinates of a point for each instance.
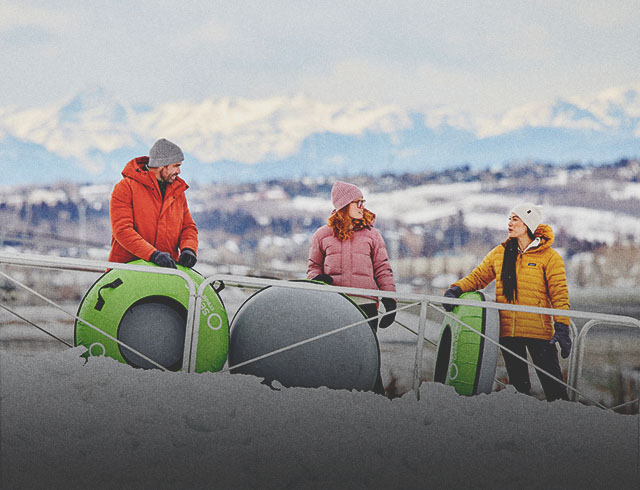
(540, 318)
(157, 189)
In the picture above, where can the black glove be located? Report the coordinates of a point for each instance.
(562, 337)
(453, 292)
(187, 258)
(326, 278)
(163, 259)
(390, 313)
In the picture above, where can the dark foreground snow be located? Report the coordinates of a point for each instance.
(104, 425)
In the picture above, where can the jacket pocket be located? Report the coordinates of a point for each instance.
(541, 316)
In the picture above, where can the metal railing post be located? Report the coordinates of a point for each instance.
(571, 375)
(579, 346)
(191, 332)
(189, 363)
(419, 346)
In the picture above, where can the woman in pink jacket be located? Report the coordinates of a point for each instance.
(350, 252)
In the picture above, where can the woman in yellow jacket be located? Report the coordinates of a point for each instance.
(527, 272)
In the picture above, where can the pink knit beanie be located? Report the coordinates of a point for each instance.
(343, 193)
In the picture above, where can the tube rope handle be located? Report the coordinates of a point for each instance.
(112, 285)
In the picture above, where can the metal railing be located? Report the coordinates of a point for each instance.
(83, 265)
(425, 302)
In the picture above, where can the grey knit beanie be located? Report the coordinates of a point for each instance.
(164, 152)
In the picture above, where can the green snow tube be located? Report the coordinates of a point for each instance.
(148, 312)
(466, 360)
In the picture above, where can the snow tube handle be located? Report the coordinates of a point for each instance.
(219, 287)
(111, 285)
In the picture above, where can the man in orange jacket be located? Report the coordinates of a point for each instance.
(150, 218)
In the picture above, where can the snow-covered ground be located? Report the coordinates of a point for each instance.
(105, 425)
(68, 424)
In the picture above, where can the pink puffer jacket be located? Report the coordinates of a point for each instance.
(360, 262)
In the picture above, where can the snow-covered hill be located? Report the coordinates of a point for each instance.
(92, 135)
(488, 209)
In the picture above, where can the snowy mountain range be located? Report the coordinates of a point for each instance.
(90, 137)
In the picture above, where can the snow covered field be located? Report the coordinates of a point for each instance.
(489, 210)
(66, 424)
(104, 425)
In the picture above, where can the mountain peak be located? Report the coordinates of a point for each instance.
(93, 103)
(299, 135)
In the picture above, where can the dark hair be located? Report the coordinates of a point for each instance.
(508, 274)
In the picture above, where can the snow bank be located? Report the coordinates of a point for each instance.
(67, 425)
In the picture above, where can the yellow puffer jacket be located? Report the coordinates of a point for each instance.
(541, 281)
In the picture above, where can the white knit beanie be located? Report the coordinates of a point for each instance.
(164, 152)
(530, 214)
(343, 193)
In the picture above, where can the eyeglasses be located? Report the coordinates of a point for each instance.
(359, 203)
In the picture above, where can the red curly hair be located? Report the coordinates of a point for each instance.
(343, 225)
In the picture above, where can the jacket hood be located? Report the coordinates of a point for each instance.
(545, 233)
(135, 169)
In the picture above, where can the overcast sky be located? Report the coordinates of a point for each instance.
(483, 57)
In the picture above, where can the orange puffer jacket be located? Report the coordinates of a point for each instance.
(541, 281)
(142, 221)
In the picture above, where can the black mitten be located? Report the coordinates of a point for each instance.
(453, 292)
(163, 259)
(326, 278)
(187, 258)
(390, 312)
(561, 336)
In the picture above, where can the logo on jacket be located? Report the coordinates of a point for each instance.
(532, 264)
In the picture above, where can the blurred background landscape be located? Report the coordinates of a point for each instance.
(437, 224)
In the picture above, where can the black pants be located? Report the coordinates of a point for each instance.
(371, 310)
(544, 355)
